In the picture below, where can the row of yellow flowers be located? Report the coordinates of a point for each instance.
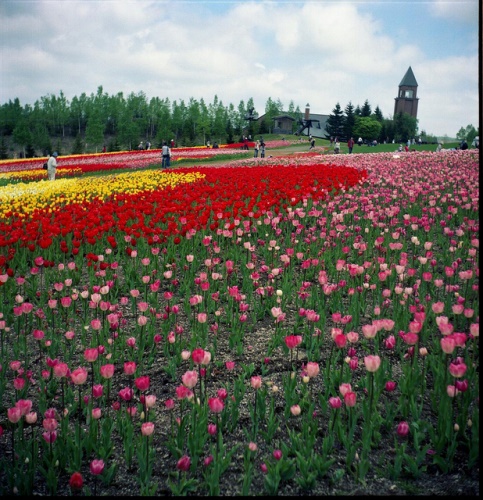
(26, 198)
(36, 174)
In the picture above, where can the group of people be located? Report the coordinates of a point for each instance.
(259, 147)
(143, 146)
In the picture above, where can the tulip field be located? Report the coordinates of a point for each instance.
(305, 324)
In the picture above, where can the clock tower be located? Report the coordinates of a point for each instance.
(407, 100)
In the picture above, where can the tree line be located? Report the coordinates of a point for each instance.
(90, 123)
(362, 121)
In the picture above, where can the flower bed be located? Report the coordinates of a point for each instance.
(302, 325)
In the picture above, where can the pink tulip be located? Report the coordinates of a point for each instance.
(150, 401)
(107, 371)
(190, 378)
(402, 429)
(97, 390)
(183, 392)
(19, 383)
(372, 363)
(91, 354)
(335, 402)
(31, 417)
(96, 467)
(230, 365)
(345, 388)
(25, 405)
(49, 437)
(126, 394)
(448, 344)
(184, 463)
(142, 383)
(350, 399)
(96, 413)
(292, 341)
(437, 307)
(216, 405)
(14, 414)
(312, 369)
(198, 355)
(79, 376)
(129, 367)
(147, 428)
(390, 386)
(61, 370)
(256, 382)
(457, 370)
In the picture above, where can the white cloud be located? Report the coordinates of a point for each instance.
(465, 11)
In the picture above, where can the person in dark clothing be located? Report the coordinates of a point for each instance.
(166, 155)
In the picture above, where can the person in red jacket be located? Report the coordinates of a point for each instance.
(350, 144)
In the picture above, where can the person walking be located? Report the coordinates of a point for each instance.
(52, 166)
(255, 151)
(350, 144)
(312, 143)
(336, 146)
(166, 155)
(262, 149)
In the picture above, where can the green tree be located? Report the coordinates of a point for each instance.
(21, 134)
(3, 149)
(335, 123)
(387, 131)
(203, 125)
(272, 109)
(366, 109)
(10, 114)
(367, 128)
(94, 129)
(468, 133)
(78, 113)
(78, 147)
(378, 114)
(350, 120)
(405, 126)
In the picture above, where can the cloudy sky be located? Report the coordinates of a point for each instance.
(318, 52)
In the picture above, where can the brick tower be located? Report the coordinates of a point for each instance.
(407, 100)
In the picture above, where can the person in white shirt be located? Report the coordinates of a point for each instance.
(52, 166)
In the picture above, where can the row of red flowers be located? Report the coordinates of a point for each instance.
(121, 159)
(223, 196)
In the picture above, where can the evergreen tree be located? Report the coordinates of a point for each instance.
(336, 123)
(350, 119)
(378, 114)
(366, 109)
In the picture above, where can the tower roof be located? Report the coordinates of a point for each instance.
(408, 79)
